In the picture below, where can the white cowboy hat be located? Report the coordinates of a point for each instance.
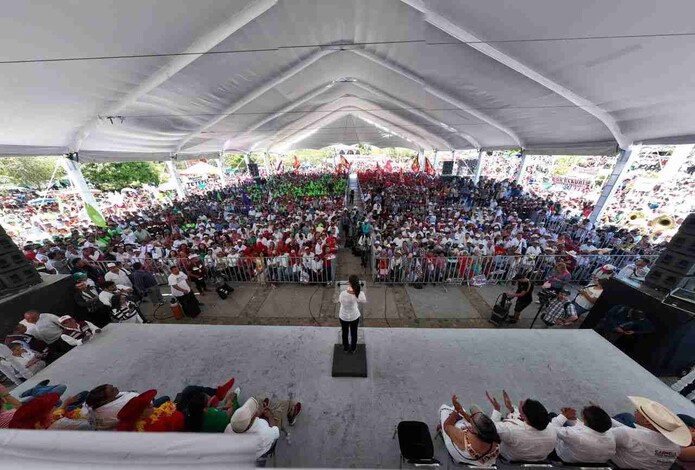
(241, 419)
(664, 420)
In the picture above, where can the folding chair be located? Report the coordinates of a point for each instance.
(415, 444)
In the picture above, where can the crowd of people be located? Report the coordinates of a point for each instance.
(418, 229)
(199, 409)
(283, 229)
(651, 437)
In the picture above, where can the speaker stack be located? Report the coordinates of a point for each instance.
(16, 272)
(447, 168)
(253, 169)
(677, 262)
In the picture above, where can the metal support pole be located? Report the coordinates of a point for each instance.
(266, 163)
(675, 161)
(180, 190)
(247, 159)
(434, 162)
(625, 156)
(72, 168)
(479, 167)
(421, 160)
(220, 167)
(522, 167)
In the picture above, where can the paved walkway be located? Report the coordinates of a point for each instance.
(388, 306)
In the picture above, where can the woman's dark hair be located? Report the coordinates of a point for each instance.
(195, 412)
(116, 301)
(596, 419)
(96, 397)
(536, 414)
(485, 428)
(354, 282)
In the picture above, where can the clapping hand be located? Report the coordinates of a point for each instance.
(493, 401)
(457, 405)
(507, 401)
(569, 413)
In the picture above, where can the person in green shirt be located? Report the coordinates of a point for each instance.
(202, 417)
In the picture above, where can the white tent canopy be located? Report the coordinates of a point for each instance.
(200, 169)
(150, 79)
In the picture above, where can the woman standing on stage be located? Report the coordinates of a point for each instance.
(350, 313)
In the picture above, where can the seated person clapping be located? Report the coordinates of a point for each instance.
(526, 434)
(470, 438)
(584, 441)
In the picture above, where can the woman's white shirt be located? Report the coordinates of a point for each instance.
(349, 309)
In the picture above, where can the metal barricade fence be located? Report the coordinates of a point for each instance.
(281, 269)
(481, 270)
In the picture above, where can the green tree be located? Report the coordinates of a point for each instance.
(116, 176)
(34, 172)
(236, 161)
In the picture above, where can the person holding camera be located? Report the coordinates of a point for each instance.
(560, 311)
(350, 313)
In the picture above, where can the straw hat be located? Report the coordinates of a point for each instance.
(241, 419)
(663, 420)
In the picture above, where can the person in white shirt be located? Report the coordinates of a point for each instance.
(258, 416)
(104, 402)
(44, 326)
(118, 275)
(350, 313)
(178, 282)
(636, 271)
(76, 333)
(584, 441)
(651, 439)
(528, 437)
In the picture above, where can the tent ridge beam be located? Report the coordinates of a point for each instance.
(261, 90)
(355, 111)
(476, 43)
(202, 45)
(439, 93)
(359, 103)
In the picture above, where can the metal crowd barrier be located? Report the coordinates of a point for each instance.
(284, 269)
(481, 270)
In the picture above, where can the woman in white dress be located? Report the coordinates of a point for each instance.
(350, 313)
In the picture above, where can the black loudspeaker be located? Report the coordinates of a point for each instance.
(253, 169)
(16, 272)
(678, 259)
(447, 168)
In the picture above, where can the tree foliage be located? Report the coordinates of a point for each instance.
(116, 176)
(34, 172)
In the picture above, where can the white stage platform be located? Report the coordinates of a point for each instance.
(349, 422)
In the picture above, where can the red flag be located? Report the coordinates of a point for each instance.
(416, 164)
(429, 169)
(345, 163)
(388, 167)
(296, 163)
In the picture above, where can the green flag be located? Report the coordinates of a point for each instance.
(94, 215)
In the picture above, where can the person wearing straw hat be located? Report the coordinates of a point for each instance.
(649, 439)
(259, 416)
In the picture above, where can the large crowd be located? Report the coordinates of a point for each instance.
(417, 229)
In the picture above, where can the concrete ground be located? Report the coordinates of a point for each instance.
(442, 306)
(349, 422)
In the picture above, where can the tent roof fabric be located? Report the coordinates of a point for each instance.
(153, 79)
